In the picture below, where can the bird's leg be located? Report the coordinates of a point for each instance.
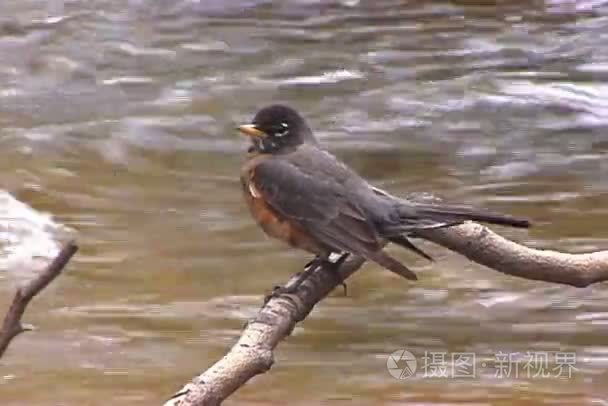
(311, 266)
(335, 267)
(309, 269)
(316, 261)
(291, 287)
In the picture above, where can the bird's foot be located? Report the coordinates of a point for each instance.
(309, 268)
(293, 285)
(335, 267)
(314, 263)
(278, 291)
(344, 288)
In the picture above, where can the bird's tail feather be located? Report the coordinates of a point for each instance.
(454, 214)
(406, 243)
(390, 263)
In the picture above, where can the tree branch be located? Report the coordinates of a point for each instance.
(481, 245)
(12, 325)
(253, 353)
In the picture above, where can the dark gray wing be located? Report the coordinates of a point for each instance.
(318, 204)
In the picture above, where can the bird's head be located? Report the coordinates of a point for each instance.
(277, 129)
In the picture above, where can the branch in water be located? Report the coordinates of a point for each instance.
(12, 325)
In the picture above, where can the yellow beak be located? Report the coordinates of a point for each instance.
(251, 130)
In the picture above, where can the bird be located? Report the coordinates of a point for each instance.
(301, 194)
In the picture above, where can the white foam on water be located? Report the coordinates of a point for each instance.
(326, 77)
(28, 238)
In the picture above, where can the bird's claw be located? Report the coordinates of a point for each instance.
(345, 287)
(309, 268)
(277, 291)
(336, 268)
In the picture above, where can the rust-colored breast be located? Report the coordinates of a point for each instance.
(270, 221)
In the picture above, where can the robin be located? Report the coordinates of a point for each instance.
(303, 195)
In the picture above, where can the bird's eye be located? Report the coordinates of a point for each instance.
(281, 130)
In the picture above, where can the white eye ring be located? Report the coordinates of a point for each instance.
(284, 131)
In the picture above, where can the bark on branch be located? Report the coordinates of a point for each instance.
(253, 353)
(12, 326)
(481, 245)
